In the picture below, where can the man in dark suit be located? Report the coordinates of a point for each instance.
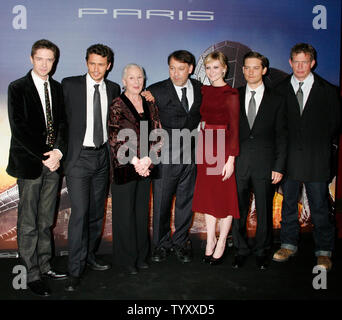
(87, 99)
(178, 99)
(313, 112)
(36, 117)
(261, 163)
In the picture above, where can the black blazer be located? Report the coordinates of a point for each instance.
(75, 100)
(28, 127)
(173, 116)
(263, 148)
(311, 135)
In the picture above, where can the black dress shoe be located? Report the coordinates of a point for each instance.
(238, 261)
(98, 265)
(142, 265)
(159, 254)
(131, 270)
(54, 275)
(216, 261)
(72, 284)
(261, 262)
(39, 287)
(206, 259)
(184, 254)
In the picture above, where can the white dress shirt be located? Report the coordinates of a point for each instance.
(89, 134)
(189, 92)
(306, 87)
(259, 93)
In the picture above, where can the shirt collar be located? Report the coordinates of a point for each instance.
(38, 80)
(91, 82)
(307, 79)
(257, 90)
(187, 85)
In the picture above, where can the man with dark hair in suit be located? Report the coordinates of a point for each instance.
(36, 117)
(87, 99)
(313, 112)
(178, 99)
(261, 162)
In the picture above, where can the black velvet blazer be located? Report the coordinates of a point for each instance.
(28, 128)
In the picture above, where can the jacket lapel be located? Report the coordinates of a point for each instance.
(54, 102)
(174, 96)
(262, 108)
(313, 95)
(243, 114)
(36, 102)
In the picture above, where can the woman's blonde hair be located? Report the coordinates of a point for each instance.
(216, 55)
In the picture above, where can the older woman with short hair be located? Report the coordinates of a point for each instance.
(131, 165)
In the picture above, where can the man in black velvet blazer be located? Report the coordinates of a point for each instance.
(313, 112)
(36, 117)
(261, 162)
(177, 171)
(87, 162)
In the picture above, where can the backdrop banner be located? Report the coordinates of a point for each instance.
(146, 32)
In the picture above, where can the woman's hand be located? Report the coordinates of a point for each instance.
(142, 166)
(228, 168)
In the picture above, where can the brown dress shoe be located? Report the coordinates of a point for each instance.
(325, 262)
(283, 254)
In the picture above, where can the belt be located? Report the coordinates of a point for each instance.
(93, 148)
(215, 126)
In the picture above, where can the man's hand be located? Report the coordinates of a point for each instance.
(148, 96)
(276, 177)
(52, 162)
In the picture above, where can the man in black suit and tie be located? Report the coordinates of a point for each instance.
(36, 117)
(87, 99)
(261, 163)
(313, 112)
(178, 99)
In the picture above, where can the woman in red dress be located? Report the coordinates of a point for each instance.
(215, 192)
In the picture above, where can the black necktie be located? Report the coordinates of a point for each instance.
(184, 100)
(98, 130)
(49, 123)
(299, 95)
(251, 110)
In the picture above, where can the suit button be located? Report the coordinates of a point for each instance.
(251, 137)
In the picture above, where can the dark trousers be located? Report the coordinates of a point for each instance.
(36, 213)
(179, 180)
(87, 185)
(130, 208)
(264, 193)
(324, 229)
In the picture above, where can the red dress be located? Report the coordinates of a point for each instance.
(220, 110)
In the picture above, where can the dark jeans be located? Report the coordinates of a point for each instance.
(324, 229)
(36, 212)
